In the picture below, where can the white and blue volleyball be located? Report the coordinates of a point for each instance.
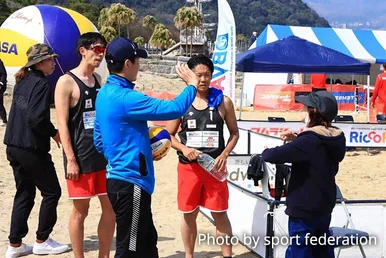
(160, 141)
(55, 26)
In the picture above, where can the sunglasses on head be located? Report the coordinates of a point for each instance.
(98, 49)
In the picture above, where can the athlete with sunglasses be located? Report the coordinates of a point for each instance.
(85, 168)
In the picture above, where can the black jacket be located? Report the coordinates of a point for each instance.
(3, 77)
(29, 124)
(315, 155)
(281, 184)
(256, 169)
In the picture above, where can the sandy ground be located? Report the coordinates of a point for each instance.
(360, 177)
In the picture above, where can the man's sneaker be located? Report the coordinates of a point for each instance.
(13, 252)
(50, 246)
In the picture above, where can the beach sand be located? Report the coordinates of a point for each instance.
(360, 177)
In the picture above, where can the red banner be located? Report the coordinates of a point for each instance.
(282, 97)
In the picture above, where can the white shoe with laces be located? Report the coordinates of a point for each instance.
(23, 250)
(50, 246)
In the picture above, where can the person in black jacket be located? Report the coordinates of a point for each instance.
(315, 154)
(3, 87)
(28, 144)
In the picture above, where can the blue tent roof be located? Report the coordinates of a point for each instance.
(365, 45)
(296, 55)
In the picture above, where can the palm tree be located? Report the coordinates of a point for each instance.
(109, 33)
(103, 19)
(120, 14)
(140, 41)
(188, 18)
(149, 22)
(155, 38)
(132, 19)
(170, 42)
(106, 25)
(181, 23)
(162, 37)
(194, 20)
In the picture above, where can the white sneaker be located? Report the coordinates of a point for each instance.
(50, 246)
(13, 252)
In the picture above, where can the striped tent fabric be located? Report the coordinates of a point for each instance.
(365, 45)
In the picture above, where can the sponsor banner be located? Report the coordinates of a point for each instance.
(357, 135)
(282, 97)
(224, 55)
(237, 167)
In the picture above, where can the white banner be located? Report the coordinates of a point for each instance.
(357, 135)
(224, 55)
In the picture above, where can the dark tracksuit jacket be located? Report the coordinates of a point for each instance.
(28, 144)
(3, 77)
(3, 88)
(29, 125)
(315, 155)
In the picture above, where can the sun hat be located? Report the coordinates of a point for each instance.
(38, 53)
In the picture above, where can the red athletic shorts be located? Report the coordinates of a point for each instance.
(88, 185)
(196, 187)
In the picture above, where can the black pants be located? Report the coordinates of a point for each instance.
(33, 169)
(136, 234)
(3, 112)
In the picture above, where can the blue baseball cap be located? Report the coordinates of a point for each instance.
(121, 49)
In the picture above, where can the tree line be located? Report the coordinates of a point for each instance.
(111, 20)
(160, 22)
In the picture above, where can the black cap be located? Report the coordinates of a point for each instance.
(323, 101)
(121, 49)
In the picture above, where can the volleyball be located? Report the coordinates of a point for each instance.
(160, 141)
(55, 26)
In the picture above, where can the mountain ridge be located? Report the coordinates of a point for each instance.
(354, 13)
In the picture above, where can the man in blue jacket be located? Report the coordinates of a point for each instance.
(121, 134)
